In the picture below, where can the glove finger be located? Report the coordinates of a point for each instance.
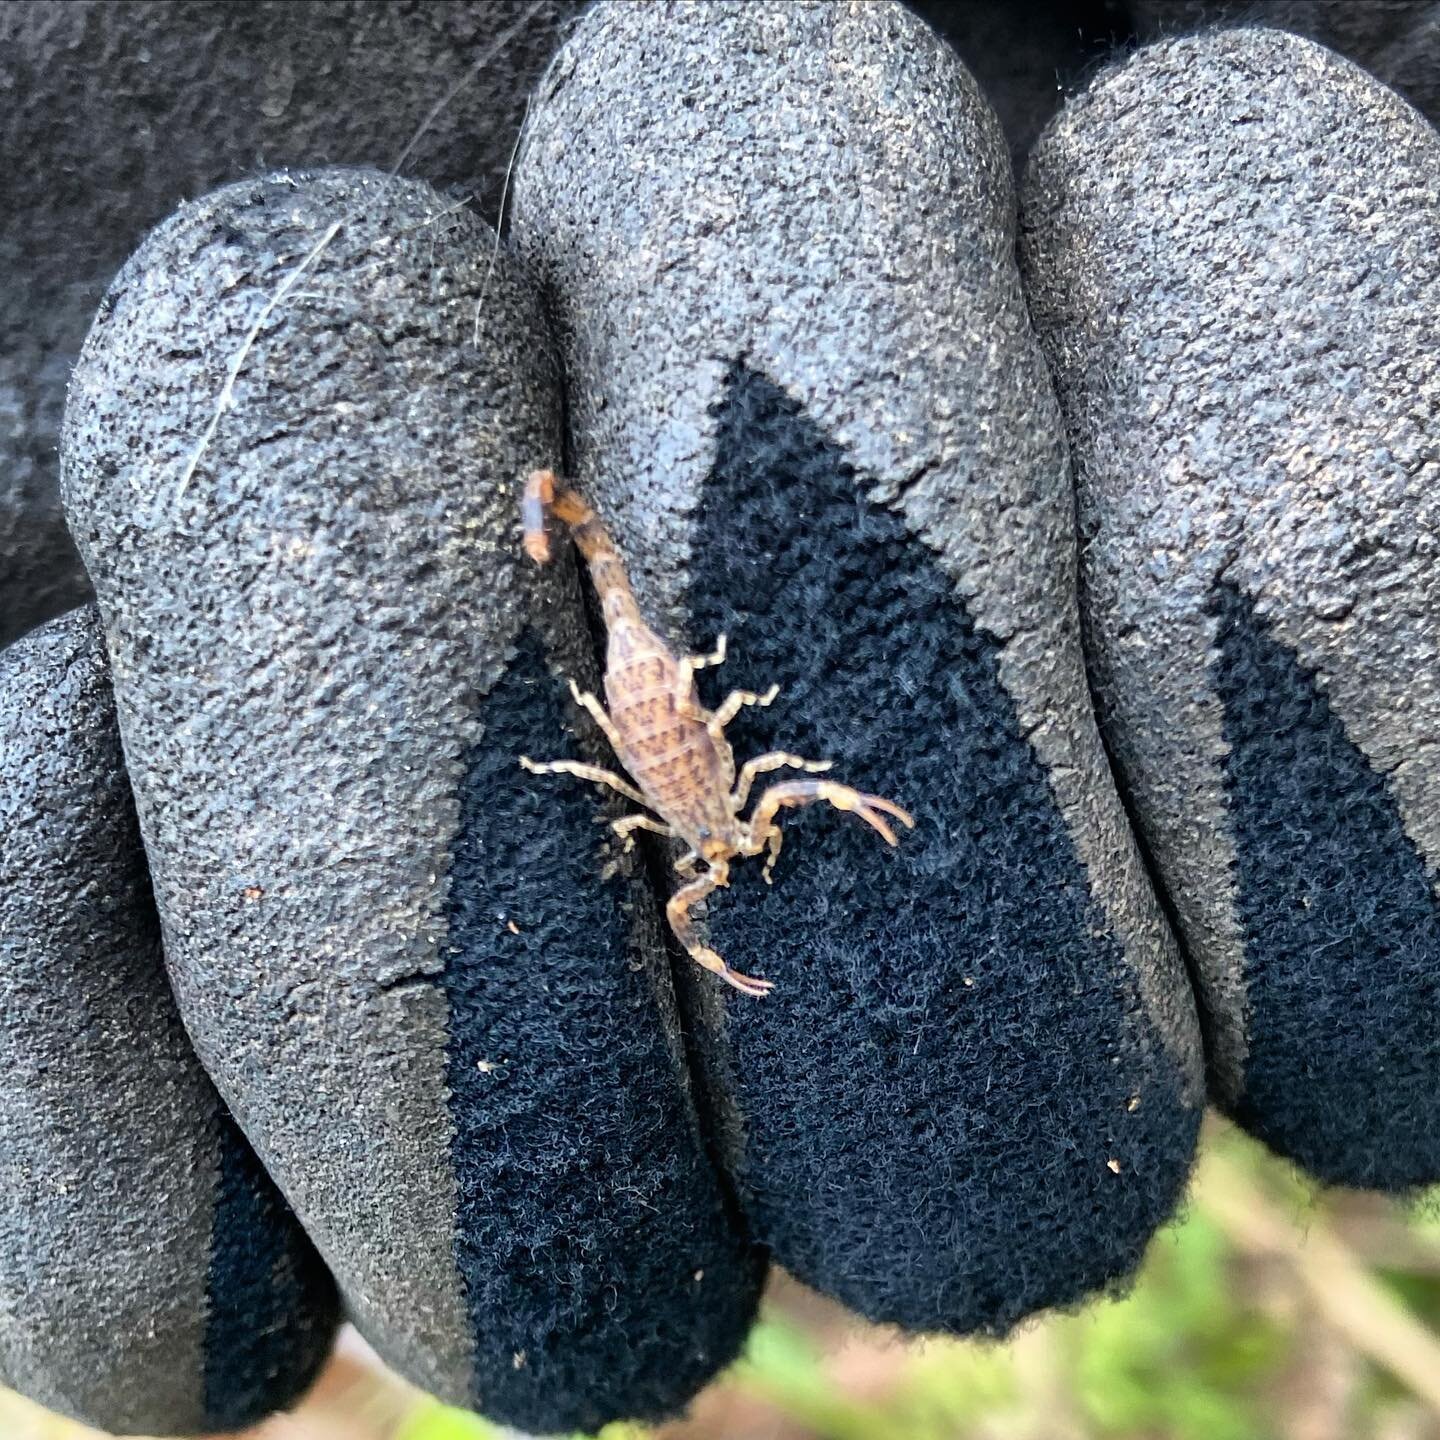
(151, 1278)
(1233, 256)
(805, 393)
(1398, 42)
(192, 95)
(293, 473)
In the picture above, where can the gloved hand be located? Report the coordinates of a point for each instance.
(803, 389)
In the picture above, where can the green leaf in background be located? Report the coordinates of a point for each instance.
(432, 1421)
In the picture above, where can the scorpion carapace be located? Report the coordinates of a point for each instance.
(683, 767)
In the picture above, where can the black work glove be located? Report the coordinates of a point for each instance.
(803, 389)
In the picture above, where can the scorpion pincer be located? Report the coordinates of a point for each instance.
(675, 749)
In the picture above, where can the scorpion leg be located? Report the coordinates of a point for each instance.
(589, 702)
(730, 707)
(685, 865)
(623, 828)
(774, 839)
(677, 911)
(686, 700)
(870, 808)
(775, 760)
(715, 724)
(584, 772)
(715, 657)
(723, 750)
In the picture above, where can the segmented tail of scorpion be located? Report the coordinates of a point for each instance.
(545, 496)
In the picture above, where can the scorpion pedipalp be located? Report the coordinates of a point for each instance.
(792, 793)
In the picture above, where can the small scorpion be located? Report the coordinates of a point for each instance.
(674, 748)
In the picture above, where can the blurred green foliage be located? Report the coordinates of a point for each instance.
(1183, 1354)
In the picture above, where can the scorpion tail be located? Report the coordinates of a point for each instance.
(545, 495)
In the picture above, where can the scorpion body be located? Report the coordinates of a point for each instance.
(675, 749)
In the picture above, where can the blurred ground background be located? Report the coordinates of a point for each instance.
(1266, 1309)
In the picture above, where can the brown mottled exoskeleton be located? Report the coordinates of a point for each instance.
(675, 749)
